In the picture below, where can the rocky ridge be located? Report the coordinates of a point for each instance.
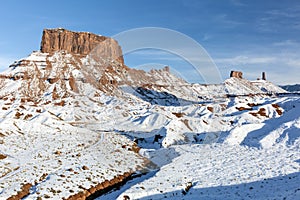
(68, 60)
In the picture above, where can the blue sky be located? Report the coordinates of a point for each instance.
(252, 36)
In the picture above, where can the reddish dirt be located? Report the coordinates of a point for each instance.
(101, 187)
(61, 103)
(186, 122)
(18, 115)
(261, 112)
(253, 104)
(279, 112)
(73, 84)
(135, 148)
(278, 109)
(23, 193)
(211, 109)
(179, 115)
(243, 108)
(28, 116)
(2, 156)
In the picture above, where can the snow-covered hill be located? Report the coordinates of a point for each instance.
(291, 88)
(75, 126)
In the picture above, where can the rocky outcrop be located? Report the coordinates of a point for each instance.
(263, 76)
(82, 43)
(25, 189)
(2, 156)
(236, 74)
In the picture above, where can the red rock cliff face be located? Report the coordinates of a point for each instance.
(82, 43)
(236, 74)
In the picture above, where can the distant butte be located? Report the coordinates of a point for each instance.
(236, 74)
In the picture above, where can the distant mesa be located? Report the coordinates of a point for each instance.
(236, 74)
(80, 43)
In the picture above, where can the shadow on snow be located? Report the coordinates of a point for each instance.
(281, 187)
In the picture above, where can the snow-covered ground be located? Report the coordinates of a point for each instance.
(221, 171)
(254, 160)
(67, 125)
(60, 160)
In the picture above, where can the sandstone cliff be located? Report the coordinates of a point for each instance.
(236, 74)
(82, 43)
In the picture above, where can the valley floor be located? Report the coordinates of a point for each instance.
(241, 148)
(221, 171)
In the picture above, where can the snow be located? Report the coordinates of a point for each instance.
(233, 169)
(237, 135)
(221, 171)
(206, 141)
(59, 155)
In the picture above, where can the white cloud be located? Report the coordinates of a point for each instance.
(287, 43)
(155, 55)
(149, 52)
(286, 19)
(243, 60)
(225, 21)
(287, 13)
(190, 54)
(237, 3)
(207, 37)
